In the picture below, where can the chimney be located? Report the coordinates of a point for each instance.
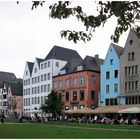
(96, 56)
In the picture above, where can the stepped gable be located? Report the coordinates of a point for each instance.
(30, 66)
(6, 77)
(118, 49)
(61, 53)
(16, 89)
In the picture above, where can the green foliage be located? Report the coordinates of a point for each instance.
(126, 12)
(12, 103)
(52, 104)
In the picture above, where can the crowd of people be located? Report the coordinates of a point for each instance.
(84, 119)
(88, 119)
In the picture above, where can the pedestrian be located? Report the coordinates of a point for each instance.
(2, 118)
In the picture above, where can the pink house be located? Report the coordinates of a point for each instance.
(15, 98)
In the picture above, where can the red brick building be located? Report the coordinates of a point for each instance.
(79, 87)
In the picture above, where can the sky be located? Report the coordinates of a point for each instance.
(26, 34)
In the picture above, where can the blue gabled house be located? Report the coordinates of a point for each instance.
(110, 77)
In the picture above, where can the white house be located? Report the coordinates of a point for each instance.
(37, 78)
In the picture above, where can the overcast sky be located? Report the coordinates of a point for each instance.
(26, 34)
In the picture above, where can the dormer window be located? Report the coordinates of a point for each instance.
(62, 72)
(131, 42)
(80, 68)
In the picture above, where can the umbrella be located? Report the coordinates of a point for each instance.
(130, 110)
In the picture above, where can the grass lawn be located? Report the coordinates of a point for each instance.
(68, 130)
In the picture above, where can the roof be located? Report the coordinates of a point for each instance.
(118, 49)
(61, 53)
(39, 60)
(16, 89)
(6, 77)
(72, 63)
(91, 63)
(30, 66)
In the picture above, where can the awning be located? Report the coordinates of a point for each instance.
(113, 109)
(80, 111)
(130, 110)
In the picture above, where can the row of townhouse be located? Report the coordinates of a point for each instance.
(11, 94)
(88, 82)
(120, 73)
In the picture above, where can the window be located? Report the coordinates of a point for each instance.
(74, 95)
(107, 88)
(93, 78)
(136, 69)
(131, 42)
(45, 88)
(67, 96)
(74, 81)
(41, 88)
(107, 75)
(93, 95)
(32, 80)
(41, 78)
(55, 84)
(49, 76)
(38, 100)
(116, 73)
(38, 79)
(79, 68)
(81, 106)
(35, 70)
(81, 79)
(42, 100)
(131, 56)
(45, 77)
(111, 61)
(111, 101)
(67, 82)
(26, 72)
(45, 65)
(49, 63)
(41, 66)
(60, 84)
(126, 86)
(48, 86)
(126, 70)
(81, 94)
(38, 89)
(115, 87)
(57, 64)
(107, 101)
(136, 85)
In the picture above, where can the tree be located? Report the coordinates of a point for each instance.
(52, 104)
(126, 12)
(12, 104)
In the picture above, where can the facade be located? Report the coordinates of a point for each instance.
(37, 78)
(110, 77)
(5, 79)
(15, 98)
(79, 87)
(130, 70)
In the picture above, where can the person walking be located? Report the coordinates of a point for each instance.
(2, 118)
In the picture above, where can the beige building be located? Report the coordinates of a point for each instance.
(130, 70)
